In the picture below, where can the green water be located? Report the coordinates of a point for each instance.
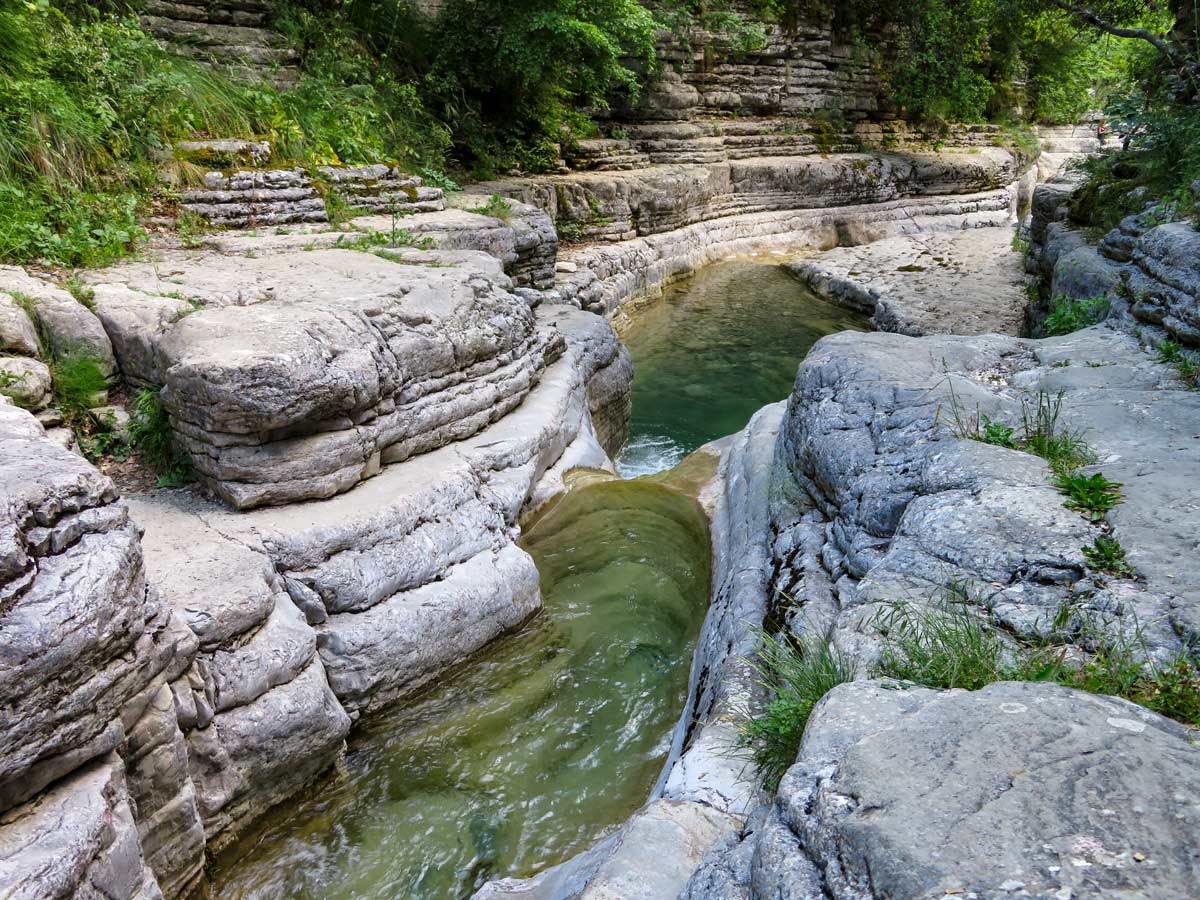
(525, 755)
(718, 347)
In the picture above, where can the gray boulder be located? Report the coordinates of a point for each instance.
(1025, 790)
(66, 324)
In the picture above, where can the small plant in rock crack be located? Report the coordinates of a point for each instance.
(497, 207)
(1185, 365)
(797, 672)
(1043, 436)
(1090, 495)
(1108, 556)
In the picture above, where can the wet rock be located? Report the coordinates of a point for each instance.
(650, 858)
(1017, 788)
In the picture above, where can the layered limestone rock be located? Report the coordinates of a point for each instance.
(1014, 790)
(1146, 269)
(88, 737)
(299, 375)
(903, 506)
(620, 206)
(945, 283)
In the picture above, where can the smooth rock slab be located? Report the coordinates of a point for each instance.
(967, 282)
(1027, 790)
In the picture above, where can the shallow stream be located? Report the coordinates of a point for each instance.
(526, 754)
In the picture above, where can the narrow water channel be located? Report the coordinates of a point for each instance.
(718, 347)
(526, 754)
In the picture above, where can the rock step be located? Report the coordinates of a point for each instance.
(208, 34)
(252, 197)
(246, 13)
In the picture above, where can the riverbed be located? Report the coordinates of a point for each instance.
(526, 754)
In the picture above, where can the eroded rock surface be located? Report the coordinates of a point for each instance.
(1028, 790)
(967, 282)
(300, 375)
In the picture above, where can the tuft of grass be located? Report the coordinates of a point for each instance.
(1068, 314)
(151, 436)
(83, 292)
(950, 645)
(78, 380)
(1185, 365)
(1039, 432)
(497, 207)
(1091, 495)
(798, 672)
(1065, 450)
(950, 642)
(947, 644)
(1107, 555)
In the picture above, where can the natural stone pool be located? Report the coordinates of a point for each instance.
(717, 348)
(525, 755)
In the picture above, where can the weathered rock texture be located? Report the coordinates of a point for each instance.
(1025, 790)
(902, 506)
(1148, 271)
(248, 198)
(87, 735)
(301, 374)
(233, 35)
(966, 282)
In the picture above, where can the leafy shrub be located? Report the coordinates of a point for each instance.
(1068, 314)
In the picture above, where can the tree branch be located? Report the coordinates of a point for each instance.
(1097, 21)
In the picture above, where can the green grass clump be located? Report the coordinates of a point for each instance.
(1186, 365)
(1068, 314)
(497, 207)
(151, 436)
(951, 642)
(798, 673)
(951, 645)
(1039, 432)
(78, 380)
(1091, 495)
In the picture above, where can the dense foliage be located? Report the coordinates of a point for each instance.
(90, 106)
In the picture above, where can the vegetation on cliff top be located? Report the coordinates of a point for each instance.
(90, 105)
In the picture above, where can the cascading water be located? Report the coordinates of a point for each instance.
(527, 753)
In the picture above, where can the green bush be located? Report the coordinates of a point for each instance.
(1091, 495)
(78, 380)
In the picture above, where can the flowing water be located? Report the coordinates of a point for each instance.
(719, 346)
(526, 754)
